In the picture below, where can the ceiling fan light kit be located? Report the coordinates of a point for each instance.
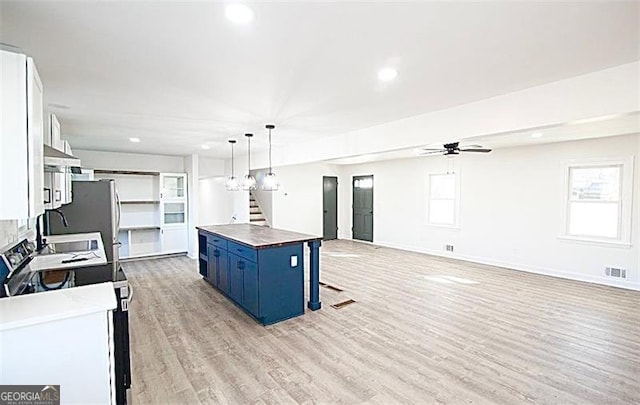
(453, 149)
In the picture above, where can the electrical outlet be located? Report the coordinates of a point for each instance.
(448, 248)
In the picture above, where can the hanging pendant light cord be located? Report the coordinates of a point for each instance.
(249, 157)
(270, 171)
(232, 174)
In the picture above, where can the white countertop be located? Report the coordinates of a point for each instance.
(53, 261)
(31, 309)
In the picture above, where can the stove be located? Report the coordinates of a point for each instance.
(18, 279)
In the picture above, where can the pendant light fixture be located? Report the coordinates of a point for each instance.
(270, 181)
(249, 182)
(232, 182)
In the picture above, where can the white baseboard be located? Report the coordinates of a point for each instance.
(516, 266)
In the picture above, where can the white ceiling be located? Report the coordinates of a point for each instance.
(178, 74)
(598, 127)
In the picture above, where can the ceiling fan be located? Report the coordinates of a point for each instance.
(454, 149)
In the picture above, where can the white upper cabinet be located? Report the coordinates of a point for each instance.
(21, 139)
(173, 212)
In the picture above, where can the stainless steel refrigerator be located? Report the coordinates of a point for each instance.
(95, 208)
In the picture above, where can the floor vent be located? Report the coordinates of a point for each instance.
(615, 272)
(329, 286)
(342, 304)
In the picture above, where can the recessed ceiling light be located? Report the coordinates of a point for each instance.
(536, 135)
(387, 74)
(238, 13)
(206, 147)
(134, 140)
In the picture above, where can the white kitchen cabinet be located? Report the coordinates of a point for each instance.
(174, 239)
(54, 132)
(61, 337)
(21, 139)
(173, 212)
(57, 177)
(57, 185)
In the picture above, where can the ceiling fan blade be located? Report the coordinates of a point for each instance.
(433, 152)
(429, 149)
(471, 147)
(476, 150)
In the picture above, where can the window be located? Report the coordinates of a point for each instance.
(443, 200)
(598, 201)
(363, 183)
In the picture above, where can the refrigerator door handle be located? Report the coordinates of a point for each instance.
(119, 212)
(130, 298)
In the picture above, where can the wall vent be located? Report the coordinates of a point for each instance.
(615, 272)
(448, 248)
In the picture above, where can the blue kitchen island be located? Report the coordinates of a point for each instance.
(260, 269)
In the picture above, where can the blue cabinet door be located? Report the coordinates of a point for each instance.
(211, 265)
(223, 271)
(250, 288)
(236, 270)
(203, 266)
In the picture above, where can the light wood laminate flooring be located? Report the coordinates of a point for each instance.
(423, 330)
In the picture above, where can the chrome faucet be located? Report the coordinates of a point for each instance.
(39, 241)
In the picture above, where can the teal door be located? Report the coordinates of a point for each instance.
(330, 208)
(363, 208)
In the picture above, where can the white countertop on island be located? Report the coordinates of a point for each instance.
(30, 309)
(54, 261)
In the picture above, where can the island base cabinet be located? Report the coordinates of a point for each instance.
(268, 283)
(281, 294)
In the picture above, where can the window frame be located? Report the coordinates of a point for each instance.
(625, 203)
(456, 210)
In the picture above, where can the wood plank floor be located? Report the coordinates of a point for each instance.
(423, 330)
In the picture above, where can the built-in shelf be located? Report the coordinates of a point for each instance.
(140, 202)
(140, 228)
(129, 172)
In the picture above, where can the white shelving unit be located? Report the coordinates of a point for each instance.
(153, 212)
(173, 212)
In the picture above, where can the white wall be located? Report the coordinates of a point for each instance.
(511, 208)
(297, 205)
(129, 161)
(10, 233)
(216, 203)
(209, 167)
(191, 167)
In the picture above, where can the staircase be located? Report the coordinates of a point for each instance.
(255, 213)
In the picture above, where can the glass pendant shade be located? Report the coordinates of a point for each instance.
(270, 182)
(232, 183)
(249, 182)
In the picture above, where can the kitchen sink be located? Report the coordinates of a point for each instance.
(66, 247)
